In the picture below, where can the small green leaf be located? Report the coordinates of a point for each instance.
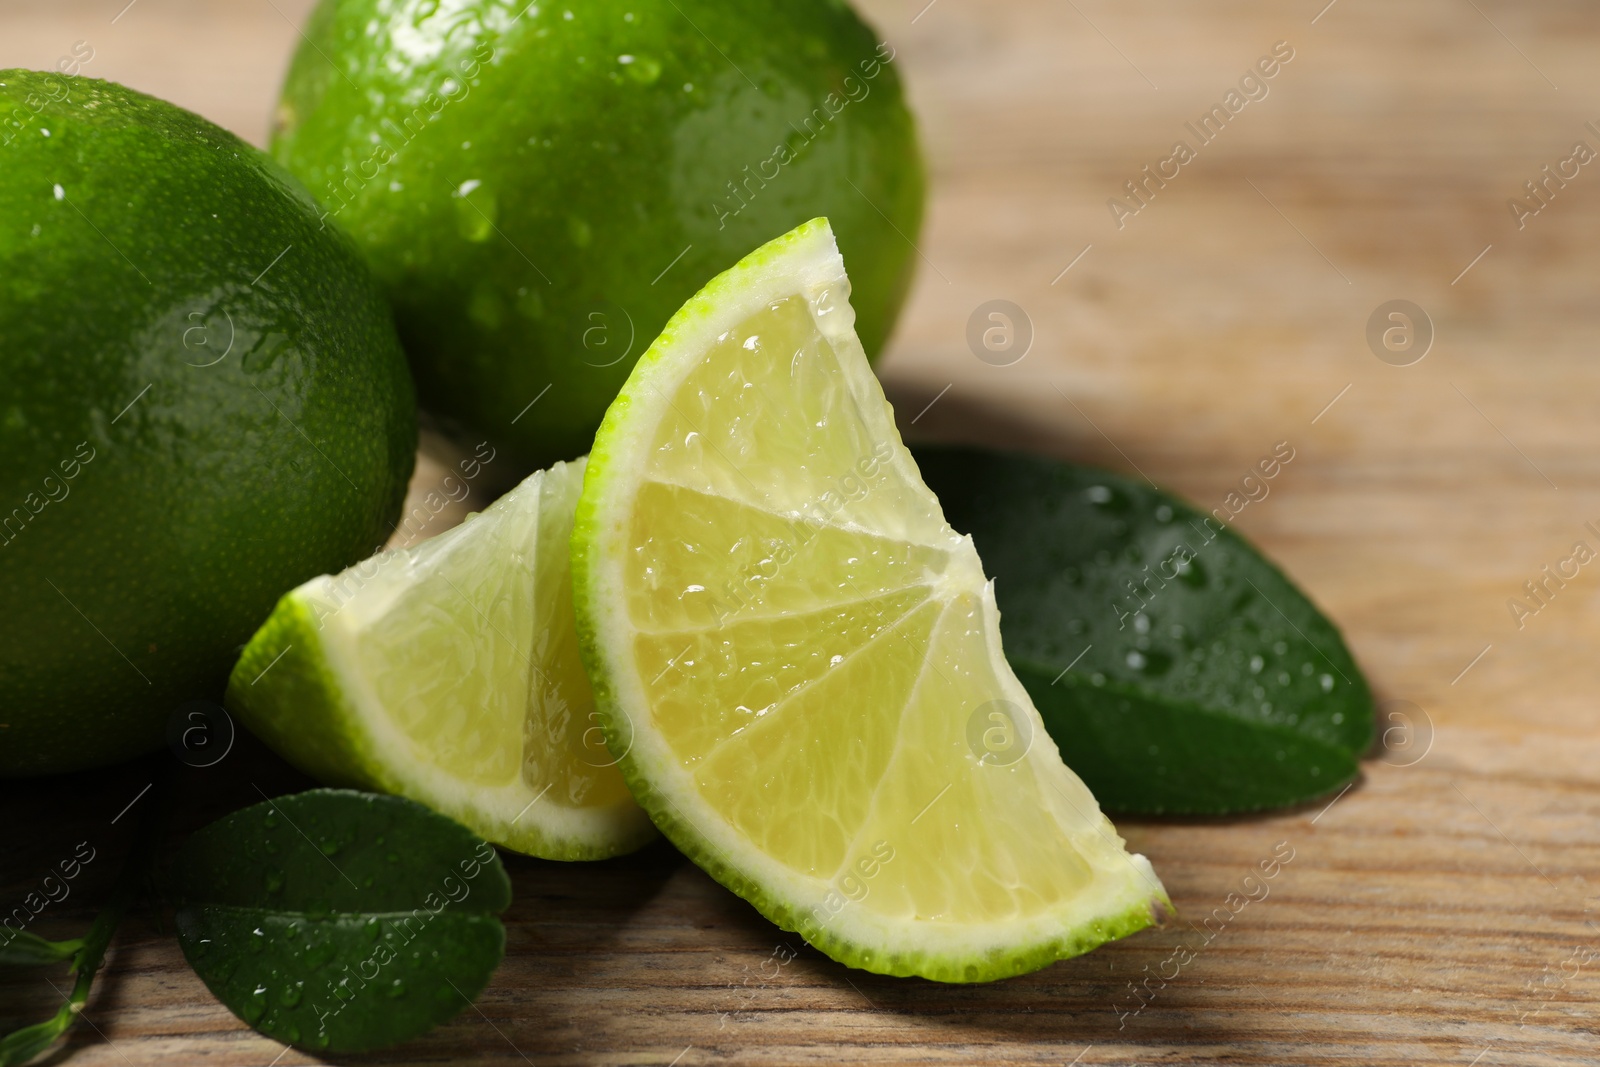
(21, 1046)
(341, 921)
(22, 949)
(1176, 668)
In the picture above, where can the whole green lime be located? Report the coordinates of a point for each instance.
(540, 185)
(202, 403)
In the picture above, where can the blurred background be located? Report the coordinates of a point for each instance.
(1219, 311)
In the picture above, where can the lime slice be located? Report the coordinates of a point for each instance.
(449, 673)
(798, 661)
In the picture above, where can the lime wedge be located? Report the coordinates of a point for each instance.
(797, 660)
(449, 673)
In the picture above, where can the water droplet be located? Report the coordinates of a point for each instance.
(329, 846)
(1327, 683)
(1280, 647)
(1338, 717)
(1191, 573)
(1256, 663)
(1136, 660)
(372, 928)
(396, 988)
(257, 939)
(1097, 678)
(1283, 677)
(318, 952)
(202, 946)
(290, 1033)
(1141, 623)
(1075, 626)
(292, 995)
(255, 1005)
(393, 857)
(1163, 513)
(271, 820)
(642, 69)
(274, 881)
(475, 216)
(1098, 494)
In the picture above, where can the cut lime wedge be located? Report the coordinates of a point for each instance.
(798, 661)
(449, 673)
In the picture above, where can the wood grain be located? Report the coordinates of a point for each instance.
(1439, 912)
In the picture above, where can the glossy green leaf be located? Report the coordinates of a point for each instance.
(1176, 668)
(24, 949)
(341, 921)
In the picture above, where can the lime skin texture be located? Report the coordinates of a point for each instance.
(203, 402)
(539, 187)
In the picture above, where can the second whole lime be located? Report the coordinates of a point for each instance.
(539, 186)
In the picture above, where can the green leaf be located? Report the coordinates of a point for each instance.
(22, 949)
(20, 1046)
(1176, 668)
(341, 921)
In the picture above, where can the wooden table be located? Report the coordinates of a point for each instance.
(1440, 911)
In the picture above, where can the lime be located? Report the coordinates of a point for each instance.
(540, 185)
(202, 403)
(448, 672)
(798, 661)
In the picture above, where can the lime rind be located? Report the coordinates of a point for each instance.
(1125, 895)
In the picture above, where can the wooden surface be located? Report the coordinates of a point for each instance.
(1440, 911)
